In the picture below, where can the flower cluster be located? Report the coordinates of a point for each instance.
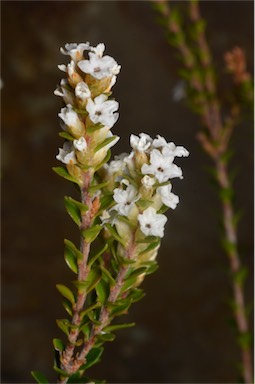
(89, 113)
(139, 182)
(122, 203)
(144, 187)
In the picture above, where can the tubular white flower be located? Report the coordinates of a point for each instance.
(63, 91)
(161, 166)
(168, 198)
(125, 199)
(70, 117)
(99, 49)
(66, 154)
(117, 165)
(80, 144)
(75, 50)
(99, 67)
(82, 91)
(102, 110)
(152, 223)
(169, 148)
(148, 181)
(141, 143)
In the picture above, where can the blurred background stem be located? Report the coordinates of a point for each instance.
(214, 138)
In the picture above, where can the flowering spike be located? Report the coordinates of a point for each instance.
(121, 203)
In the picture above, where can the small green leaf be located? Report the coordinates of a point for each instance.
(97, 255)
(124, 260)
(108, 276)
(106, 201)
(148, 239)
(61, 171)
(70, 260)
(73, 211)
(229, 246)
(120, 307)
(39, 377)
(66, 135)
(92, 316)
(114, 234)
(151, 265)
(82, 207)
(60, 371)
(127, 221)
(102, 290)
(93, 278)
(105, 160)
(116, 327)
(63, 324)
(103, 337)
(94, 127)
(90, 308)
(58, 345)
(163, 209)
(105, 142)
(68, 307)
(138, 272)
(96, 187)
(81, 111)
(72, 247)
(91, 233)
(136, 294)
(77, 379)
(150, 247)
(66, 292)
(226, 194)
(245, 339)
(143, 204)
(241, 275)
(128, 283)
(92, 358)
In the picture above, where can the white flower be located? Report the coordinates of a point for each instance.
(102, 110)
(75, 50)
(67, 154)
(62, 67)
(99, 67)
(168, 198)
(169, 148)
(70, 117)
(125, 199)
(161, 166)
(99, 49)
(63, 91)
(80, 144)
(148, 181)
(82, 91)
(141, 143)
(152, 223)
(117, 165)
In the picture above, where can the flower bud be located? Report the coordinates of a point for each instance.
(72, 121)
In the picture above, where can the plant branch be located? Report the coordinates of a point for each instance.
(113, 296)
(215, 141)
(67, 361)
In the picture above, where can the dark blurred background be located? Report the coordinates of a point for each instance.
(183, 332)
